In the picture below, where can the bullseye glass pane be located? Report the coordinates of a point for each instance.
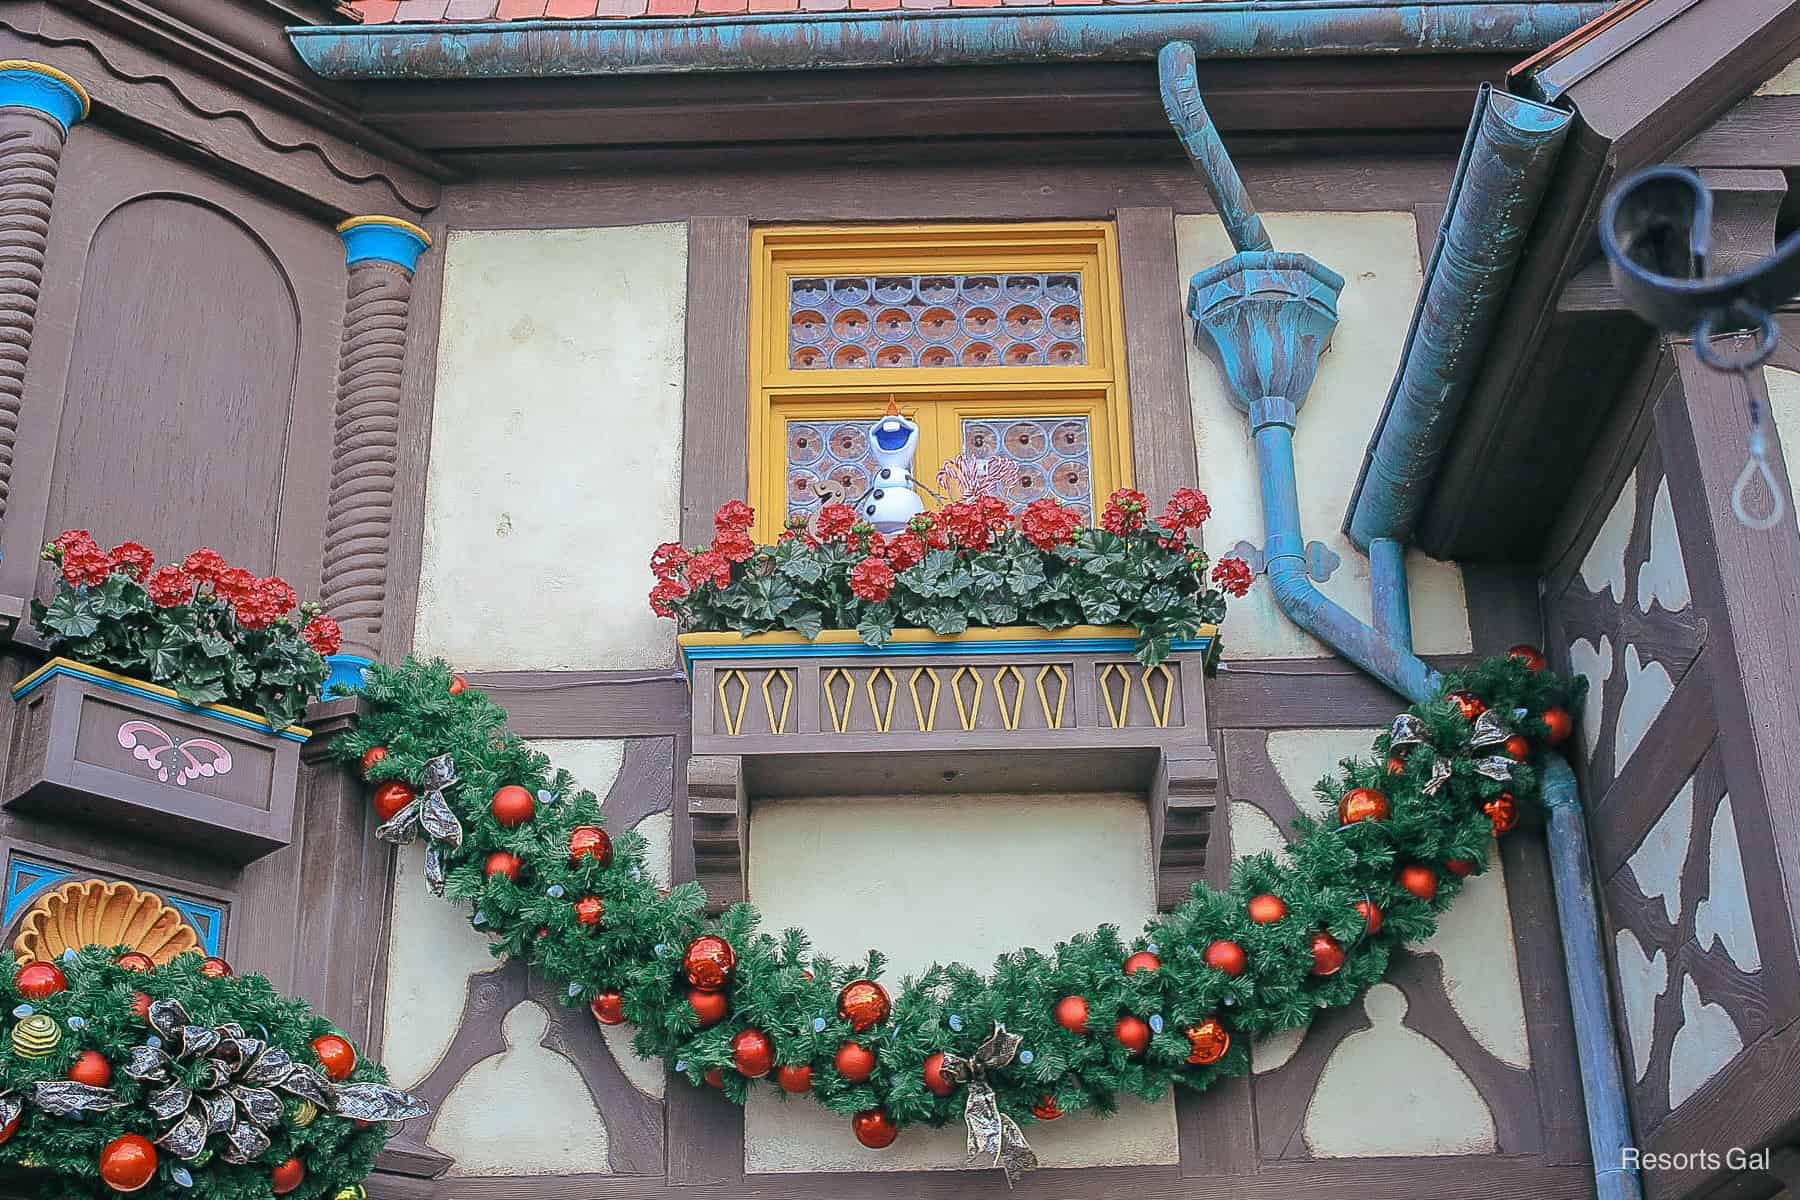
(857, 322)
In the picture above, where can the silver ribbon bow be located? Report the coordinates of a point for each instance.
(992, 1134)
(431, 812)
(1408, 732)
(59, 1098)
(220, 1080)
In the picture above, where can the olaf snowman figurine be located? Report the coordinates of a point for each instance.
(890, 501)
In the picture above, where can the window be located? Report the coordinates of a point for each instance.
(1002, 342)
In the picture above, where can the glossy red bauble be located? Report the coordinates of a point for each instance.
(1266, 909)
(708, 961)
(1371, 913)
(1418, 879)
(874, 1128)
(10, 1128)
(215, 968)
(590, 841)
(1396, 764)
(287, 1176)
(500, 862)
(864, 1003)
(1207, 1042)
(1046, 1109)
(1143, 960)
(1362, 804)
(1468, 704)
(90, 1067)
(608, 1008)
(710, 1007)
(39, 980)
(933, 1071)
(136, 960)
(1503, 812)
(715, 1078)
(512, 806)
(1226, 956)
(458, 685)
(1327, 954)
(854, 1061)
(589, 910)
(1517, 748)
(390, 797)
(371, 756)
(752, 1053)
(1133, 1034)
(336, 1055)
(794, 1077)
(1072, 1014)
(1531, 656)
(1560, 724)
(140, 1005)
(1462, 868)
(128, 1162)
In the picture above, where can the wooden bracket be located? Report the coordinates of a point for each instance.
(720, 821)
(1183, 797)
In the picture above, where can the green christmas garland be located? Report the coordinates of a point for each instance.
(1094, 1017)
(96, 1049)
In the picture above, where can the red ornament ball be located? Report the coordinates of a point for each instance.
(1517, 748)
(1327, 954)
(589, 841)
(500, 862)
(589, 910)
(215, 968)
(371, 756)
(90, 1067)
(794, 1077)
(1468, 704)
(1503, 812)
(1530, 655)
(1133, 1034)
(864, 1003)
(608, 1008)
(708, 961)
(458, 685)
(1396, 764)
(933, 1071)
(854, 1061)
(1046, 1108)
(752, 1053)
(1266, 909)
(715, 1078)
(128, 1162)
(1462, 868)
(512, 806)
(710, 1007)
(287, 1176)
(390, 798)
(136, 960)
(1418, 879)
(1560, 724)
(1072, 1013)
(1143, 960)
(1228, 957)
(1371, 914)
(10, 1128)
(336, 1055)
(140, 1005)
(1207, 1042)
(1362, 804)
(38, 980)
(874, 1128)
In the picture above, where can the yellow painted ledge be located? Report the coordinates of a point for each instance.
(999, 633)
(236, 716)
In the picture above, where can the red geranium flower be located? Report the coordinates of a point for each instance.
(323, 634)
(1124, 511)
(835, 520)
(905, 550)
(931, 529)
(1047, 524)
(205, 565)
(973, 523)
(1187, 509)
(734, 516)
(667, 560)
(278, 593)
(234, 584)
(1233, 575)
(84, 563)
(664, 594)
(264, 603)
(59, 545)
(864, 538)
(872, 579)
(734, 545)
(708, 567)
(133, 559)
(169, 587)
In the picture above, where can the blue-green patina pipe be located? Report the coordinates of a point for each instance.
(1505, 165)
(902, 38)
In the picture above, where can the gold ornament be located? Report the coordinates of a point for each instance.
(353, 1192)
(304, 1114)
(36, 1036)
(89, 912)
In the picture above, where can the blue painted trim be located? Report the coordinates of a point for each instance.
(24, 87)
(1127, 646)
(346, 670)
(382, 242)
(114, 685)
(907, 38)
(26, 881)
(208, 920)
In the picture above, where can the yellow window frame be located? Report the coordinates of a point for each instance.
(939, 398)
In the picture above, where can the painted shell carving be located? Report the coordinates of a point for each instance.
(94, 912)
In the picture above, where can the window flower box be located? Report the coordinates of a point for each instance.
(97, 747)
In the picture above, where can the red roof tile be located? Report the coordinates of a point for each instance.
(378, 12)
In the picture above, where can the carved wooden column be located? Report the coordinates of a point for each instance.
(381, 253)
(38, 107)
